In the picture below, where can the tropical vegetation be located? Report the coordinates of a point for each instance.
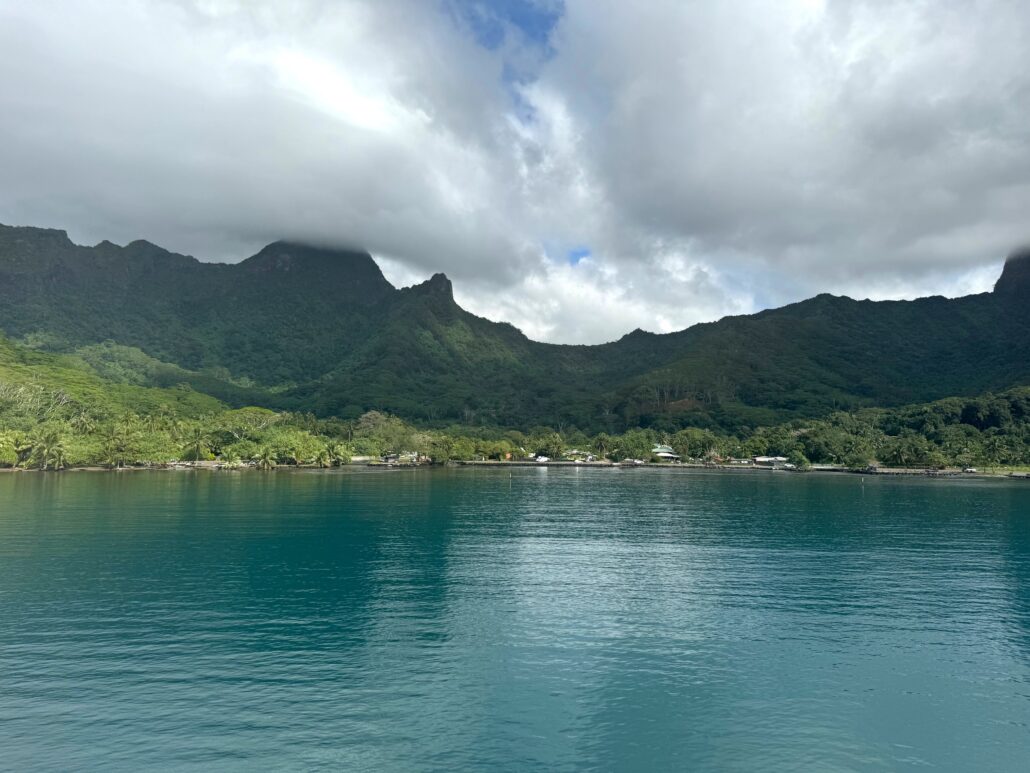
(55, 412)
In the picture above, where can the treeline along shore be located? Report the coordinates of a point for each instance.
(51, 429)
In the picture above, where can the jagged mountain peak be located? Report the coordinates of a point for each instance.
(1015, 277)
(437, 284)
(637, 334)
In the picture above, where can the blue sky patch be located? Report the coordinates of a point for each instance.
(488, 19)
(577, 254)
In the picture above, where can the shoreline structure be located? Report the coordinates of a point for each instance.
(213, 466)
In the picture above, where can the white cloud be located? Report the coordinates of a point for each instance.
(712, 158)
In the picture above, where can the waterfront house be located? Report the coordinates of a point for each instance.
(665, 454)
(770, 461)
(575, 455)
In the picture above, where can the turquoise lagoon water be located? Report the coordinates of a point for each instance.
(552, 620)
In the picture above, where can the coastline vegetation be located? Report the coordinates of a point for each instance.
(61, 416)
(58, 411)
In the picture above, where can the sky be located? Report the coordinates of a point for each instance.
(580, 168)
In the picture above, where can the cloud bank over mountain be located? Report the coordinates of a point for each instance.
(579, 168)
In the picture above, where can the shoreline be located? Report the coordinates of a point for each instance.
(891, 472)
(685, 468)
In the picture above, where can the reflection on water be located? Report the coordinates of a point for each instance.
(553, 620)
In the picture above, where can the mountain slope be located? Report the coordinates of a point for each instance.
(277, 317)
(321, 330)
(50, 380)
(827, 353)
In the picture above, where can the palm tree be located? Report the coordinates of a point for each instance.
(8, 448)
(338, 453)
(323, 459)
(994, 451)
(22, 448)
(231, 460)
(163, 418)
(84, 423)
(554, 446)
(122, 442)
(47, 449)
(266, 459)
(195, 447)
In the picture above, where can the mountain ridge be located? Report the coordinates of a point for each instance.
(311, 328)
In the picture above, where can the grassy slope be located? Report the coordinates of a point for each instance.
(71, 375)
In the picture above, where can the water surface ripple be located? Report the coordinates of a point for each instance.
(555, 620)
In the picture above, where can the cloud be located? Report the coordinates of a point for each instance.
(701, 159)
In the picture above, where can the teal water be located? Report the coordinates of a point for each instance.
(557, 620)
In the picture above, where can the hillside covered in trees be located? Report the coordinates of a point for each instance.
(307, 330)
(55, 411)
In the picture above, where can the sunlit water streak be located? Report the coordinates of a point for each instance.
(553, 620)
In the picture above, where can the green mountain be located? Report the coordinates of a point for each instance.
(311, 329)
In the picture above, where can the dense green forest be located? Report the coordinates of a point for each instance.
(305, 330)
(58, 411)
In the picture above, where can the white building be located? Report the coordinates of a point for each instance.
(771, 461)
